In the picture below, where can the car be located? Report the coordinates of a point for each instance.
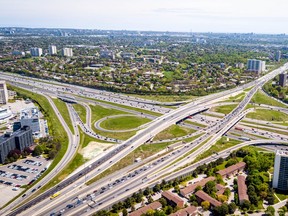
(23, 195)
(70, 206)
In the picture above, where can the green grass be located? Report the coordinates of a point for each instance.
(61, 106)
(99, 112)
(81, 112)
(226, 109)
(187, 140)
(195, 123)
(261, 98)
(237, 98)
(220, 145)
(55, 129)
(143, 151)
(173, 131)
(281, 195)
(268, 115)
(123, 122)
(166, 98)
(123, 106)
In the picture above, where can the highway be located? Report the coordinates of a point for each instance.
(163, 122)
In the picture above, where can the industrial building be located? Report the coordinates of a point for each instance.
(30, 117)
(19, 139)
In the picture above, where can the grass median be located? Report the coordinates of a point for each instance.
(81, 112)
(261, 98)
(172, 132)
(62, 107)
(123, 122)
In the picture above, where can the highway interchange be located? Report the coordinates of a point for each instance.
(212, 133)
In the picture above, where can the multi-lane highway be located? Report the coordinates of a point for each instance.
(163, 122)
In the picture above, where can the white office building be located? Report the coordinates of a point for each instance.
(280, 175)
(254, 65)
(36, 52)
(3, 92)
(52, 50)
(68, 52)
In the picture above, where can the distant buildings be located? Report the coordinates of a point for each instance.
(17, 140)
(254, 65)
(283, 78)
(3, 92)
(68, 52)
(278, 56)
(18, 53)
(36, 52)
(104, 53)
(52, 50)
(280, 175)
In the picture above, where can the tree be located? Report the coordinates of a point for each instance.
(232, 208)
(52, 154)
(210, 187)
(163, 202)
(221, 210)
(270, 211)
(124, 212)
(37, 151)
(245, 205)
(222, 198)
(205, 205)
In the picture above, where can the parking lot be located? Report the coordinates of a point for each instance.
(22, 172)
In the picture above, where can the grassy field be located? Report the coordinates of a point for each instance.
(268, 115)
(172, 132)
(224, 109)
(55, 129)
(143, 152)
(99, 112)
(81, 111)
(217, 147)
(195, 123)
(166, 98)
(123, 122)
(261, 98)
(237, 98)
(124, 106)
(61, 106)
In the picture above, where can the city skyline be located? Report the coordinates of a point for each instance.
(183, 15)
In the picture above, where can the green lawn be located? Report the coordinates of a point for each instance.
(268, 115)
(226, 109)
(143, 151)
(99, 112)
(61, 106)
(81, 111)
(172, 132)
(195, 124)
(261, 98)
(123, 122)
(220, 145)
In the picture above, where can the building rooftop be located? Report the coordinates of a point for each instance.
(242, 188)
(191, 188)
(172, 197)
(143, 210)
(10, 135)
(29, 113)
(204, 196)
(232, 169)
(190, 210)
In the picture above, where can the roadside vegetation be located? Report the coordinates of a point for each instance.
(268, 115)
(61, 106)
(165, 98)
(260, 98)
(173, 131)
(226, 109)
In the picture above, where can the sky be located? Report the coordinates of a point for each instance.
(243, 16)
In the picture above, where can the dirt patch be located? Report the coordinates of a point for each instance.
(93, 149)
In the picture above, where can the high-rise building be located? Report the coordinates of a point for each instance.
(19, 139)
(3, 92)
(52, 50)
(68, 52)
(254, 65)
(280, 175)
(283, 78)
(36, 52)
(278, 56)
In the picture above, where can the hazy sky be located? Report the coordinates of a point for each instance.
(260, 16)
